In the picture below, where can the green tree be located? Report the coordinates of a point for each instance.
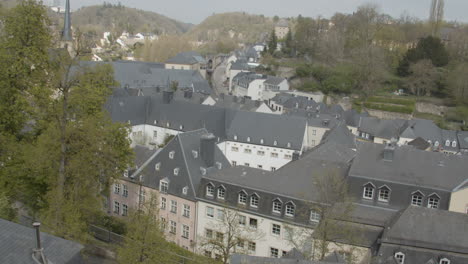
(423, 79)
(272, 42)
(457, 81)
(288, 44)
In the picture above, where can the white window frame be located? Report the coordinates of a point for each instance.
(172, 227)
(276, 229)
(314, 216)
(163, 203)
(444, 261)
(368, 188)
(254, 200)
(176, 171)
(210, 189)
(157, 167)
(174, 206)
(400, 257)
(185, 190)
(117, 188)
(382, 191)
(185, 231)
(290, 209)
(433, 202)
(277, 202)
(210, 211)
(242, 197)
(447, 143)
(163, 186)
(124, 190)
(186, 212)
(172, 154)
(221, 193)
(454, 145)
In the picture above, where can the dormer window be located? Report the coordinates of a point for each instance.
(433, 201)
(219, 165)
(157, 167)
(248, 139)
(168, 124)
(417, 199)
(210, 189)
(221, 192)
(202, 171)
(368, 192)
(454, 144)
(176, 171)
(290, 209)
(195, 154)
(384, 194)
(261, 141)
(235, 137)
(444, 261)
(277, 206)
(125, 174)
(289, 145)
(181, 127)
(447, 143)
(155, 122)
(436, 144)
(314, 216)
(163, 186)
(185, 190)
(171, 154)
(254, 200)
(275, 143)
(400, 257)
(242, 199)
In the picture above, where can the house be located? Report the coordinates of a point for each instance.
(235, 68)
(242, 103)
(189, 60)
(173, 174)
(282, 29)
(463, 142)
(282, 102)
(18, 244)
(380, 130)
(422, 235)
(353, 119)
(395, 177)
(257, 86)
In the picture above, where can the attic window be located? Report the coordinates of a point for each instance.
(417, 198)
(176, 171)
(219, 165)
(254, 200)
(248, 139)
(384, 194)
(195, 154)
(171, 154)
(275, 143)
(436, 144)
(155, 122)
(185, 190)
(368, 192)
(168, 124)
(261, 141)
(129, 122)
(454, 144)
(157, 167)
(444, 261)
(125, 173)
(433, 201)
(447, 143)
(210, 189)
(290, 209)
(202, 171)
(181, 127)
(400, 257)
(235, 137)
(289, 145)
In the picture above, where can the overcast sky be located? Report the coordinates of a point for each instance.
(194, 11)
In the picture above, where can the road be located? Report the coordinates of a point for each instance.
(219, 77)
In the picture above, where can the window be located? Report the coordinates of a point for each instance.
(273, 169)
(125, 190)
(248, 139)
(252, 246)
(163, 203)
(417, 199)
(274, 252)
(235, 137)
(176, 171)
(207, 253)
(221, 193)
(247, 151)
(433, 202)
(289, 145)
(173, 227)
(124, 209)
(276, 229)
(454, 145)
(155, 133)
(447, 143)
(314, 132)
(210, 212)
(163, 223)
(261, 141)
(275, 143)
(195, 154)
(242, 220)
(234, 163)
(368, 192)
(274, 155)
(253, 222)
(142, 195)
(117, 188)
(173, 206)
(163, 186)
(288, 156)
(400, 257)
(220, 214)
(157, 167)
(240, 243)
(185, 231)
(116, 207)
(261, 153)
(260, 166)
(208, 233)
(210, 190)
(384, 194)
(242, 197)
(219, 236)
(314, 216)
(444, 261)
(254, 200)
(290, 209)
(436, 144)
(277, 206)
(185, 190)
(186, 212)
(126, 173)
(234, 149)
(171, 154)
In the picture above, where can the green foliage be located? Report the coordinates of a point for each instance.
(390, 108)
(429, 48)
(387, 100)
(340, 79)
(272, 43)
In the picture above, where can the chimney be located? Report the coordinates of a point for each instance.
(188, 94)
(295, 156)
(389, 151)
(167, 96)
(207, 149)
(257, 103)
(242, 100)
(38, 254)
(66, 34)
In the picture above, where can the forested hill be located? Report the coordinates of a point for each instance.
(239, 25)
(118, 18)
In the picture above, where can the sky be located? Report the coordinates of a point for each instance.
(195, 11)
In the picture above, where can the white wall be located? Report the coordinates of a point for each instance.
(144, 135)
(263, 108)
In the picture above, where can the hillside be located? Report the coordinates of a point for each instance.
(98, 19)
(241, 26)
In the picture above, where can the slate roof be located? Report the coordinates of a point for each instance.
(463, 139)
(245, 259)
(188, 58)
(282, 23)
(353, 117)
(383, 128)
(239, 103)
(341, 135)
(425, 232)
(274, 80)
(440, 171)
(450, 136)
(331, 151)
(425, 129)
(239, 65)
(290, 101)
(190, 172)
(17, 243)
(419, 143)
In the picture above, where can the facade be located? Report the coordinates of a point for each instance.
(282, 29)
(190, 60)
(257, 86)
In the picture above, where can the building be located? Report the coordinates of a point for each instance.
(189, 60)
(238, 103)
(282, 29)
(380, 130)
(257, 86)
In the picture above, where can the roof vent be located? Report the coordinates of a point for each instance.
(219, 165)
(207, 149)
(389, 151)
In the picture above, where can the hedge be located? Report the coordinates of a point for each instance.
(396, 101)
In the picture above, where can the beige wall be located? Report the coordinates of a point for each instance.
(459, 201)
(281, 32)
(182, 66)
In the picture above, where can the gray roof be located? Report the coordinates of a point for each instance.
(240, 65)
(341, 135)
(430, 229)
(243, 79)
(273, 80)
(419, 143)
(383, 128)
(282, 23)
(353, 117)
(440, 171)
(17, 243)
(331, 151)
(239, 103)
(425, 129)
(463, 139)
(245, 259)
(450, 136)
(189, 58)
(290, 101)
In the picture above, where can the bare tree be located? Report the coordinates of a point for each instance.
(229, 234)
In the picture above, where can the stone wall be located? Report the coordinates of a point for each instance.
(431, 108)
(388, 115)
